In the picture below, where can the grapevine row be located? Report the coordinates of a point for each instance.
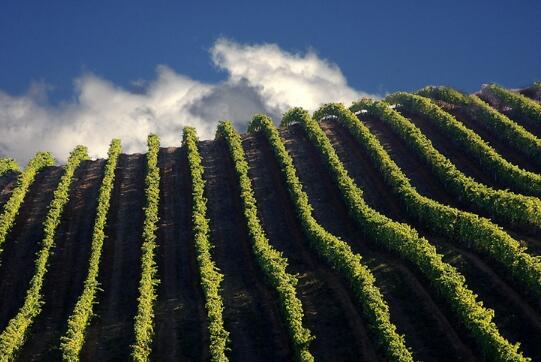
(144, 318)
(73, 339)
(501, 126)
(405, 241)
(337, 252)
(8, 164)
(503, 205)
(270, 260)
(470, 229)
(211, 278)
(25, 179)
(523, 181)
(12, 338)
(518, 102)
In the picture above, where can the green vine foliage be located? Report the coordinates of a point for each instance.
(24, 181)
(7, 165)
(335, 251)
(490, 161)
(211, 278)
(144, 318)
(73, 339)
(271, 261)
(403, 240)
(500, 125)
(473, 231)
(518, 103)
(13, 336)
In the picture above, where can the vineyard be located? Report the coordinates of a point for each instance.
(406, 228)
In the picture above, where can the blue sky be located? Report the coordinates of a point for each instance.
(60, 59)
(379, 45)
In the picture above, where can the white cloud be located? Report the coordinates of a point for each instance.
(284, 79)
(261, 78)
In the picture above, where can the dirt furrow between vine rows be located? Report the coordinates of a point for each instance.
(532, 93)
(419, 173)
(422, 178)
(180, 322)
(18, 258)
(445, 144)
(68, 264)
(413, 309)
(517, 319)
(8, 182)
(531, 125)
(506, 150)
(111, 331)
(331, 310)
(251, 310)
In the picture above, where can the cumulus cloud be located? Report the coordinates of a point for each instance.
(284, 79)
(260, 78)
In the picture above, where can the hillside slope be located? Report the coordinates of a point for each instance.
(334, 310)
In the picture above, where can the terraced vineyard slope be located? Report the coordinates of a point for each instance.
(401, 229)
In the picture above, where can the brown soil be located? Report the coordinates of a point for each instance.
(111, 331)
(331, 311)
(251, 310)
(181, 330)
(413, 308)
(8, 182)
(496, 293)
(68, 264)
(18, 258)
